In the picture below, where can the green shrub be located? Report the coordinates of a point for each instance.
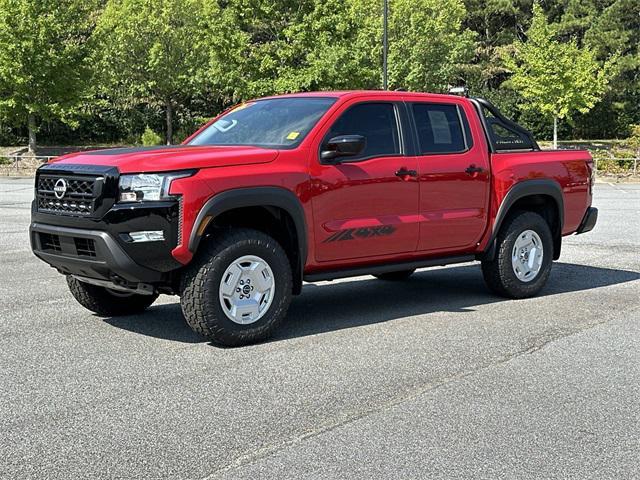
(150, 138)
(633, 141)
(181, 135)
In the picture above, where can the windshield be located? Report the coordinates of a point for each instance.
(274, 123)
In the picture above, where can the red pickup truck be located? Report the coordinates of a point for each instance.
(308, 187)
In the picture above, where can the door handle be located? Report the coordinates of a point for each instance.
(403, 172)
(471, 169)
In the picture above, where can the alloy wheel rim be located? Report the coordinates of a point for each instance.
(247, 289)
(527, 256)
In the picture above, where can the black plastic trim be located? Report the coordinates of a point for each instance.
(481, 103)
(256, 197)
(386, 268)
(130, 150)
(111, 258)
(106, 178)
(520, 190)
(589, 221)
(123, 218)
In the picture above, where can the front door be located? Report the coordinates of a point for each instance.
(367, 205)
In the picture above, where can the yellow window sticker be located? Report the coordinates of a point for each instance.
(293, 135)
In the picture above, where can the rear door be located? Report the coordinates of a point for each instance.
(453, 166)
(366, 206)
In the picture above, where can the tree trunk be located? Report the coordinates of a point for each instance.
(169, 122)
(555, 133)
(31, 125)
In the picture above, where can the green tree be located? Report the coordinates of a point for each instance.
(427, 44)
(336, 44)
(44, 64)
(286, 46)
(333, 46)
(554, 78)
(496, 23)
(153, 51)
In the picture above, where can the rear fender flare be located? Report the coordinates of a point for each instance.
(521, 190)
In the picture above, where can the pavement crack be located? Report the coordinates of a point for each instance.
(349, 417)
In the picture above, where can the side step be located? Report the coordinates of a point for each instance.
(386, 268)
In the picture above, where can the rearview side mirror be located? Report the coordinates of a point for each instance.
(342, 146)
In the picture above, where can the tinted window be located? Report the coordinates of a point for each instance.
(275, 123)
(374, 121)
(439, 128)
(505, 138)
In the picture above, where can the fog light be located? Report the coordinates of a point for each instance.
(147, 236)
(128, 197)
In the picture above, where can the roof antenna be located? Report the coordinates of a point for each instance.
(400, 89)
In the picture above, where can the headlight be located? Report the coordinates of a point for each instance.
(148, 186)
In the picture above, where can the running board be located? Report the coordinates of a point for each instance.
(386, 268)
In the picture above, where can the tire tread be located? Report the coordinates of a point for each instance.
(196, 290)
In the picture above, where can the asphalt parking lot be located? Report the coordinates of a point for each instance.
(429, 378)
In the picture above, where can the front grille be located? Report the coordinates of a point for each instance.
(77, 194)
(50, 242)
(85, 247)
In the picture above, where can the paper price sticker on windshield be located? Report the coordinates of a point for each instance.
(293, 135)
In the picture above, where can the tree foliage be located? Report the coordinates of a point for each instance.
(44, 70)
(428, 44)
(169, 63)
(554, 78)
(152, 51)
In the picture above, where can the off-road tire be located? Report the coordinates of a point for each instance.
(201, 282)
(498, 273)
(395, 276)
(105, 303)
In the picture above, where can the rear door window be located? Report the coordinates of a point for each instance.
(441, 128)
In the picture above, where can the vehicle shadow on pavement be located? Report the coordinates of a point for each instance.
(160, 321)
(455, 289)
(366, 301)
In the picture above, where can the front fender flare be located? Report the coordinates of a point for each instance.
(255, 197)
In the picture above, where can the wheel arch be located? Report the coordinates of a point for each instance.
(542, 196)
(272, 199)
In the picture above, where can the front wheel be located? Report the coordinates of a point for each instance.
(238, 289)
(523, 259)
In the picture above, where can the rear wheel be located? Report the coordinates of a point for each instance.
(238, 289)
(395, 276)
(107, 302)
(523, 260)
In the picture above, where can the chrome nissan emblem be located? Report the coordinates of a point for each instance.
(60, 188)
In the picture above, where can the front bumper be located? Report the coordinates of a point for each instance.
(101, 249)
(589, 220)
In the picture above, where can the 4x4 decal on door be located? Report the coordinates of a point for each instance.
(366, 232)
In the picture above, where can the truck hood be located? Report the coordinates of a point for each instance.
(169, 158)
